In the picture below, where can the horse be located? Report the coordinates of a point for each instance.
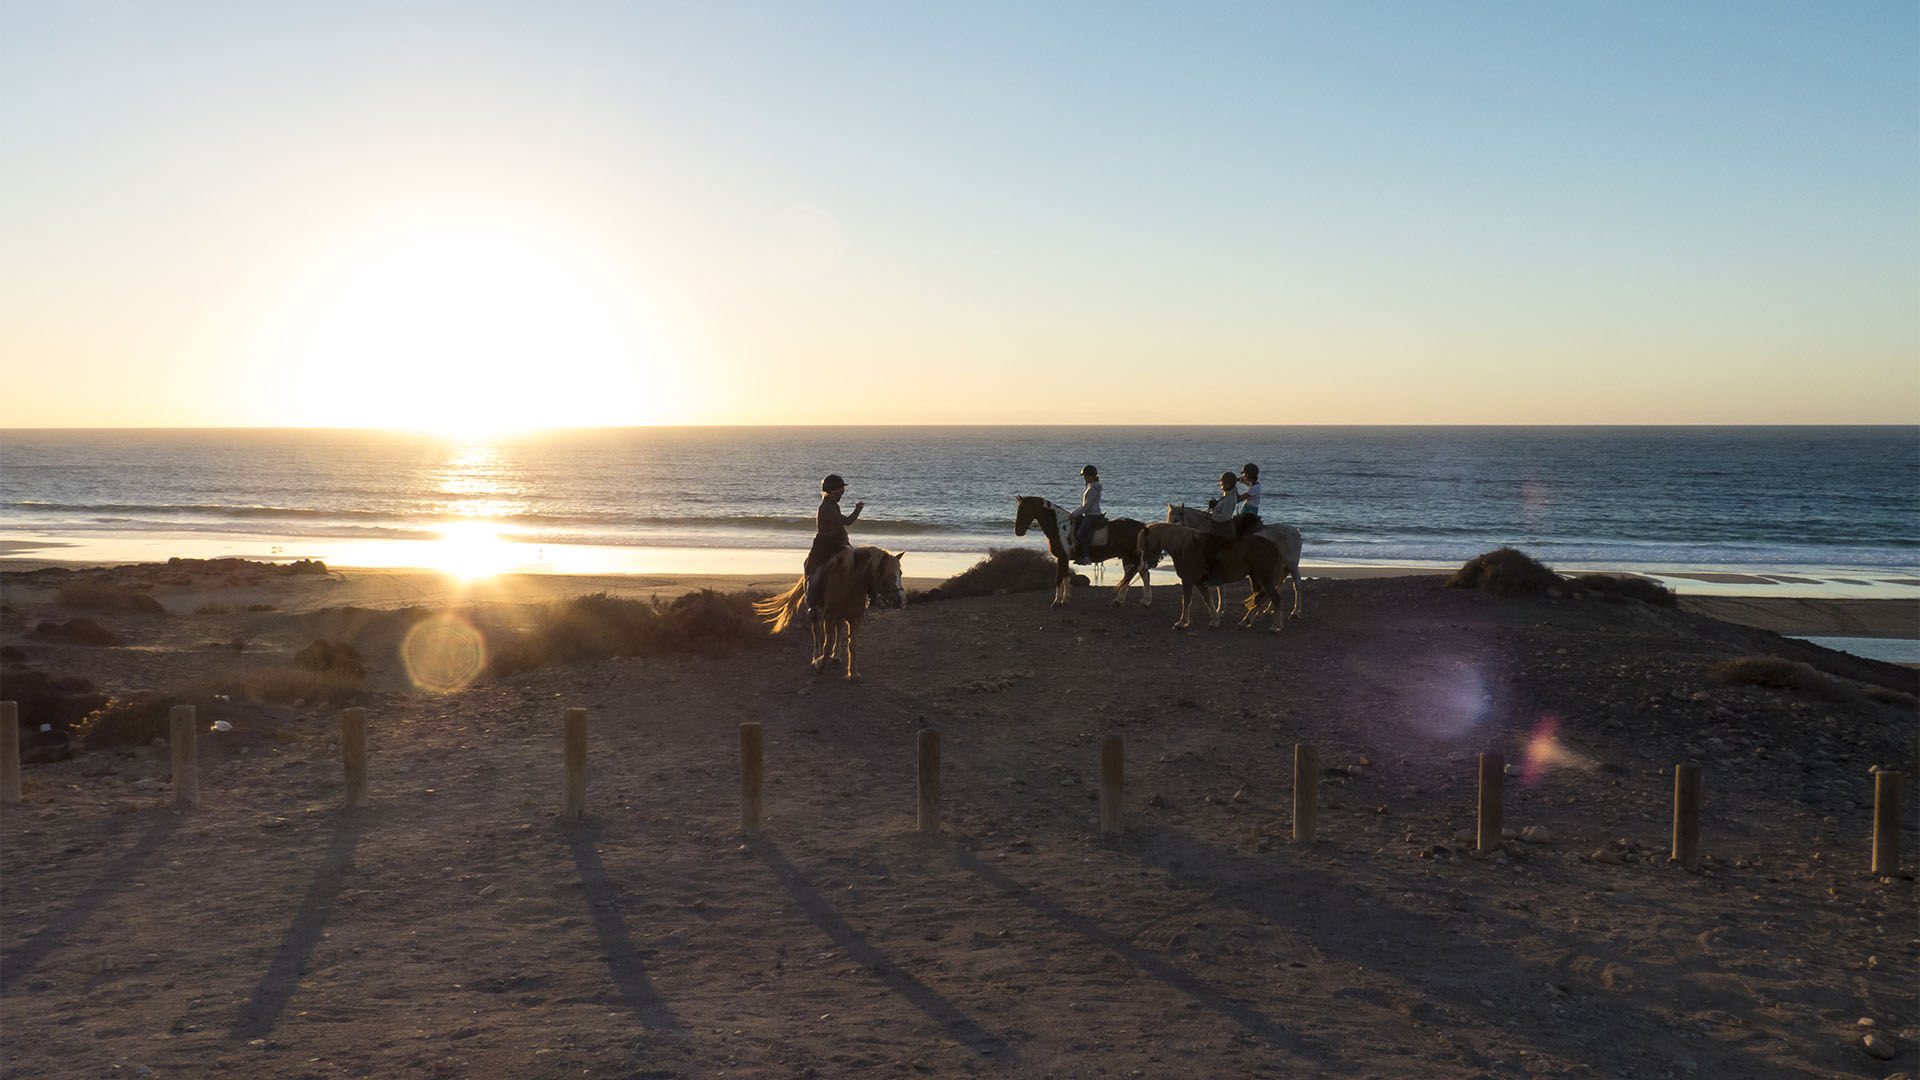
(1253, 558)
(1119, 539)
(852, 578)
(1284, 537)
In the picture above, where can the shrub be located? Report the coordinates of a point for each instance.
(598, 626)
(61, 700)
(78, 632)
(213, 609)
(100, 596)
(342, 658)
(1004, 570)
(1616, 588)
(1774, 673)
(1505, 571)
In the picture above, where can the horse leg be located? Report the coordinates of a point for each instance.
(822, 638)
(1126, 580)
(853, 626)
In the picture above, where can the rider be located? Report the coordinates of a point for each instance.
(830, 533)
(1248, 520)
(1081, 521)
(1220, 522)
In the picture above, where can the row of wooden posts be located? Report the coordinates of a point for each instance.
(1306, 783)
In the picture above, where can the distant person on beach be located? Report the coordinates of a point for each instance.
(1081, 521)
(829, 532)
(1248, 519)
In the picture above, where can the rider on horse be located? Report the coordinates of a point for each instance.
(1082, 521)
(830, 533)
(1248, 520)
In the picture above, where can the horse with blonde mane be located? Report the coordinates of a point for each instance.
(852, 579)
(1285, 538)
(1252, 557)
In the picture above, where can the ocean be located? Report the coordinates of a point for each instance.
(1837, 505)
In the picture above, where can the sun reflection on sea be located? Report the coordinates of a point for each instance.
(474, 549)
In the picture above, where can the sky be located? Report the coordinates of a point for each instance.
(498, 215)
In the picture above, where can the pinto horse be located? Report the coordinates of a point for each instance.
(1251, 557)
(1286, 538)
(853, 578)
(1119, 539)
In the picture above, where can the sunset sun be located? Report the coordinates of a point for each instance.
(472, 324)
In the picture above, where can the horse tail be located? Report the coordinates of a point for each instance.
(779, 610)
(1148, 548)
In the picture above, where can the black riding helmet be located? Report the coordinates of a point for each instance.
(1250, 471)
(1089, 472)
(832, 483)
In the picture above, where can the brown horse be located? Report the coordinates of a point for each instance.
(853, 578)
(1252, 558)
(1285, 537)
(1119, 539)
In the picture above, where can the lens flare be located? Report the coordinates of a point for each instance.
(1545, 752)
(444, 654)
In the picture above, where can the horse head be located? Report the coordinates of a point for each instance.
(1026, 511)
(1149, 548)
(891, 591)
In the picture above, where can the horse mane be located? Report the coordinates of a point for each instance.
(1166, 538)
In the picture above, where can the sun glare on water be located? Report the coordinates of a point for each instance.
(471, 324)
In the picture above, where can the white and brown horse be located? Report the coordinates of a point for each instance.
(852, 578)
(1286, 538)
(1252, 557)
(1119, 539)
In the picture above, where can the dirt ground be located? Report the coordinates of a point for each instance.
(458, 927)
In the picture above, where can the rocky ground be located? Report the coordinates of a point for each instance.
(458, 927)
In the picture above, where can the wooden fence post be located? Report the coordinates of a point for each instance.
(353, 754)
(1886, 823)
(929, 777)
(182, 739)
(1493, 778)
(9, 753)
(1306, 792)
(573, 797)
(1686, 816)
(1113, 809)
(750, 774)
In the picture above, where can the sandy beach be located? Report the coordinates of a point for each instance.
(458, 926)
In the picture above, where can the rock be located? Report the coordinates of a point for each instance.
(322, 655)
(1536, 834)
(489, 892)
(1879, 1046)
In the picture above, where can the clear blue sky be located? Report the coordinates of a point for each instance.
(855, 212)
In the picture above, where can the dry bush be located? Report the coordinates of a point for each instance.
(1616, 588)
(140, 719)
(61, 700)
(213, 609)
(1004, 570)
(1774, 673)
(1505, 572)
(101, 596)
(78, 632)
(599, 626)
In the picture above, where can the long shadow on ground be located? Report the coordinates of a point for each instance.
(958, 1026)
(117, 876)
(623, 958)
(269, 1000)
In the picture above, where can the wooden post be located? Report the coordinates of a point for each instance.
(1113, 809)
(1886, 823)
(929, 773)
(186, 755)
(353, 754)
(1686, 816)
(1306, 792)
(573, 798)
(9, 753)
(1493, 777)
(750, 778)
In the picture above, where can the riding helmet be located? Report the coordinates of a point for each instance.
(1250, 471)
(1089, 471)
(832, 482)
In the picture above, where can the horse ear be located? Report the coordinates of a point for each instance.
(900, 555)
